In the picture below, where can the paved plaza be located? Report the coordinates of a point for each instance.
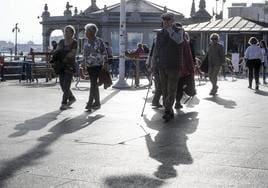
(219, 141)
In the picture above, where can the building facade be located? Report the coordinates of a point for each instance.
(142, 18)
(256, 11)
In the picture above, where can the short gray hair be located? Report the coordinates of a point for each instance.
(92, 27)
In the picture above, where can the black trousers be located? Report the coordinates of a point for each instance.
(263, 71)
(254, 66)
(158, 90)
(94, 94)
(2, 73)
(65, 84)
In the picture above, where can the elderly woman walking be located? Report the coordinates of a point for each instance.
(264, 50)
(253, 57)
(95, 56)
(215, 60)
(68, 47)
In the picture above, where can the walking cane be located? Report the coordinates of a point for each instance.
(150, 84)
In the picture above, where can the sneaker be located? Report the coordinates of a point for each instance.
(70, 102)
(64, 107)
(257, 87)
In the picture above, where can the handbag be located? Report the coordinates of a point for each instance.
(189, 85)
(105, 79)
(204, 64)
(57, 64)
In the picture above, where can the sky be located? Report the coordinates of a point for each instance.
(26, 13)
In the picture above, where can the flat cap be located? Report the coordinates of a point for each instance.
(167, 16)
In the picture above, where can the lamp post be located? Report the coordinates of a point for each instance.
(216, 8)
(121, 83)
(16, 30)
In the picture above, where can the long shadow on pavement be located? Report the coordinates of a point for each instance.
(261, 92)
(34, 124)
(224, 102)
(66, 126)
(133, 181)
(42, 121)
(169, 146)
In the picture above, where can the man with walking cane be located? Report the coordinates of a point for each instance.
(169, 57)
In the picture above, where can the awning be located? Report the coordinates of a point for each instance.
(233, 24)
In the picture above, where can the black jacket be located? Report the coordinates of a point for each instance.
(169, 54)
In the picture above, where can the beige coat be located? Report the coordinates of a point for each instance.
(215, 55)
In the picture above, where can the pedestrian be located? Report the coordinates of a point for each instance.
(109, 53)
(54, 45)
(68, 47)
(138, 52)
(253, 57)
(169, 42)
(95, 56)
(145, 48)
(264, 60)
(2, 64)
(186, 81)
(215, 61)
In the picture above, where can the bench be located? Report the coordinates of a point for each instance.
(37, 65)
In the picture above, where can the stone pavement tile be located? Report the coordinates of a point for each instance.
(258, 178)
(212, 175)
(79, 184)
(207, 145)
(258, 161)
(27, 180)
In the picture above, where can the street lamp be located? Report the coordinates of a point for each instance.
(16, 30)
(121, 83)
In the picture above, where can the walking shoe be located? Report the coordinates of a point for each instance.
(212, 93)
(257, 87)
(88, 107)
(96, 106)
(64, 107)
(70, 102)
(214, 90)
(178, 105)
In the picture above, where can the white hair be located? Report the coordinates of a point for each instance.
(71, 28)
(91, 27)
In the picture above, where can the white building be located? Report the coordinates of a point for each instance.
(255, 11)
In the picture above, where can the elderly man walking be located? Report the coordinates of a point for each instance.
(169, 45)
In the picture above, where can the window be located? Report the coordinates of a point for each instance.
(151, 38)
(133, 39)
(115, 42)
